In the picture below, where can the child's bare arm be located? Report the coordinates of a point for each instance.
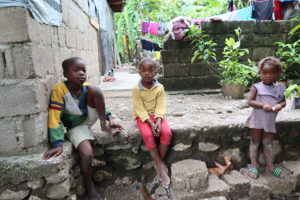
(96, 100)
(255, 104)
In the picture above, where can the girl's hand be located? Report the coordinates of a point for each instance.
(277, 108)
(158, 126)
(153, 127)
(267, 108)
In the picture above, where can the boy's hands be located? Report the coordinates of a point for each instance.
(112, 128)
(56, 151)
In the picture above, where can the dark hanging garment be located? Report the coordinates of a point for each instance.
(230, 6)
(150, 46)
(262, 9)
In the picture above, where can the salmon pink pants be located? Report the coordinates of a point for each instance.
(149, 140)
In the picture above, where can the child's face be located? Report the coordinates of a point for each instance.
(76, 73)
(147, 72)
(269, 74)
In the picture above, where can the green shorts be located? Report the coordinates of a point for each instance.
(83, 132)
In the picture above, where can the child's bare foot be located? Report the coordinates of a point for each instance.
(93, 194)
(165, 179)
(162, 175)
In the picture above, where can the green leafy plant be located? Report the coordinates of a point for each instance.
(204, 48)
(289, 54)
(292, 90)
(230, 70)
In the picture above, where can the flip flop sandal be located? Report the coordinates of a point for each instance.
(278, 172)
(167, 188)
(153, 188)
(254, 171)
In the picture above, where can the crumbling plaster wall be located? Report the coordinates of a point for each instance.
(30, 65)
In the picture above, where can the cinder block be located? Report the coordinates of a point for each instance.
(266, 27)
(200, 70)
(261, 52)
(185, 55)
(42, 59)
(61, 36)
(216, 27)
(13, 24)
(9, 139)
(84, 22)
(85, 43)
(35, 130)
(270, 39)
(71, 38)
(176, 70)
(251, 40)
(246, 26)
(22, 97)
(171, 56)
(79, 41)
(22, 65)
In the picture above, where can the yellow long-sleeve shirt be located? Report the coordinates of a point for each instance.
(149, 101)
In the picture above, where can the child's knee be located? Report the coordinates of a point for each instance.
(254, 145)
(267, 144)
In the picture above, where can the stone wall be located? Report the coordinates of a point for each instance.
(258, 38)
(30, 65)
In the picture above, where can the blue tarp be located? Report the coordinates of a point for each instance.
(44, 11)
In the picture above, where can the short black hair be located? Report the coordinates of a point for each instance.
(270, 61)
(150, 61)
(67, 62)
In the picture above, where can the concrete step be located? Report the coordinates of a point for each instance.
(238, 184)
(216, 187)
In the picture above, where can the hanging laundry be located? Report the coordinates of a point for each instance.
(231, 6)
(157, 55)
(145, 27)
(288, 0)
(262, 9)
(278, 10)
(245, 14)
(153, 28)
(150, 46)
(162, 28)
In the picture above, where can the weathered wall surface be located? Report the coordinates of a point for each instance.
(30, 65)
(258, 38)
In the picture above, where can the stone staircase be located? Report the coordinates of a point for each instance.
(191, 181)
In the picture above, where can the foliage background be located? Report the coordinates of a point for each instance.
(128, 22)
